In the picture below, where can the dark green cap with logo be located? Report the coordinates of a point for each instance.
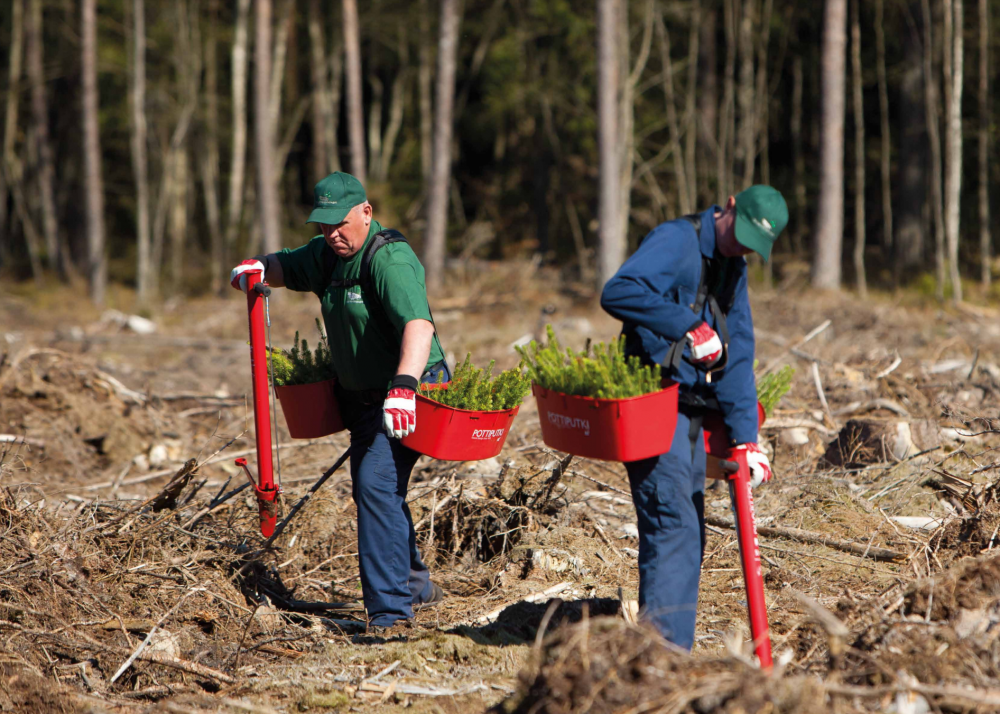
(335, 196)
(761, 215)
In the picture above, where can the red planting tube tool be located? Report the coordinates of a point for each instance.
(265, 488)
(737, 473)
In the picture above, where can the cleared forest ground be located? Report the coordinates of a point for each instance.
(887, 594)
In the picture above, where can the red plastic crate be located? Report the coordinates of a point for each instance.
(608, 429)
(310, 410)
(451, 434)
(717, 436)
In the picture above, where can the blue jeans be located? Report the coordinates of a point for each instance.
(393, 577)
(669, 496)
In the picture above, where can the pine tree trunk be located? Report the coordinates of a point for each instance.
(355, 105)
(708, 105)
(798, 158)
(953, 156)
(611, 244)
(437, 210)
(629, 78)
(985, 238)
(96, 260)
(375, 121)
(267, 195)
(10, 120)
(684, 185)
(911, 223)
(690, 120)
(747, 148)
(397, 105)
(859, 152)
(319, 77)
(425, 77)
(934, 137)
(40, 133)
(140, 164)
(826, 269)
(885, 149)
(177, 217)
(727, 115)
(209, 163)
(237, 168)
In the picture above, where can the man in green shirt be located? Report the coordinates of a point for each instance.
(383, 343)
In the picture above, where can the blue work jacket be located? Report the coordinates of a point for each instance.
(653, 294)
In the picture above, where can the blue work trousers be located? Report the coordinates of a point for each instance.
(393, 577)
(669, 496)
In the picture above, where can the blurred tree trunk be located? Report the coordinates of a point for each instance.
(324, 116)
(684, 185)
(375, 120)
(355, 100)
(177, 224)
(727, 115)
(237, 166)
(629, 78)
(859, 151)
(826, 268)
(763, 91)
(934, 137)
(909, 241)
(437, 211)
(10, 120)
(690, 121)
(209, 161)
(798, 159)
(267, 195)
(397, 105)
(140, 164)
(425, 76)
(985, 239)
(611, 243)
(97, 266)
(279, 56)
(885, 150)
(56, 259)
(707, 117)
(953, 156)
(747, 147)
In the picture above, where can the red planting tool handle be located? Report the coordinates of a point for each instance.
(746, 535)
(266, 491)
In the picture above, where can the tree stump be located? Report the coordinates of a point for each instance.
(870, 440)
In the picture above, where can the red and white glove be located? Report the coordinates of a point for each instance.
(399, 413)
(760, 466)
(238, 278)
(706, 347)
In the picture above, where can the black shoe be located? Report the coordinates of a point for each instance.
(435, 597)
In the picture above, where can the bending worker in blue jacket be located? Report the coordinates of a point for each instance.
(682, 297)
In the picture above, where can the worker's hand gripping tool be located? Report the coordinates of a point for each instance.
(264, 487)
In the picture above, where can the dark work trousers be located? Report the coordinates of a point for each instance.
(393, 577)
(669, 496)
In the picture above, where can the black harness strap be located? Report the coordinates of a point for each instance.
(713, 277)
(375, 308)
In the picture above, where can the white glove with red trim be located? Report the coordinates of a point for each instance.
(706, 347)
(760, 466)
(399, 413)
(238, 278)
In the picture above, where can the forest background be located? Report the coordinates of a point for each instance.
(153, 143)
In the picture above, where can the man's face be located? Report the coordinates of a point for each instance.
(347, 237)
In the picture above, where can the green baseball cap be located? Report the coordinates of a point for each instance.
(761, 215)
(335, 196)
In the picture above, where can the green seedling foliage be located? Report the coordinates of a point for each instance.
(601, 370)
(772, 387)
(300, 365)
(478, 390)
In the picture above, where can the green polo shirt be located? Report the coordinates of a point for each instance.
(364, 356)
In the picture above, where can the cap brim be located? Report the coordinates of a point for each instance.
(328, 216)
(752, 237)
